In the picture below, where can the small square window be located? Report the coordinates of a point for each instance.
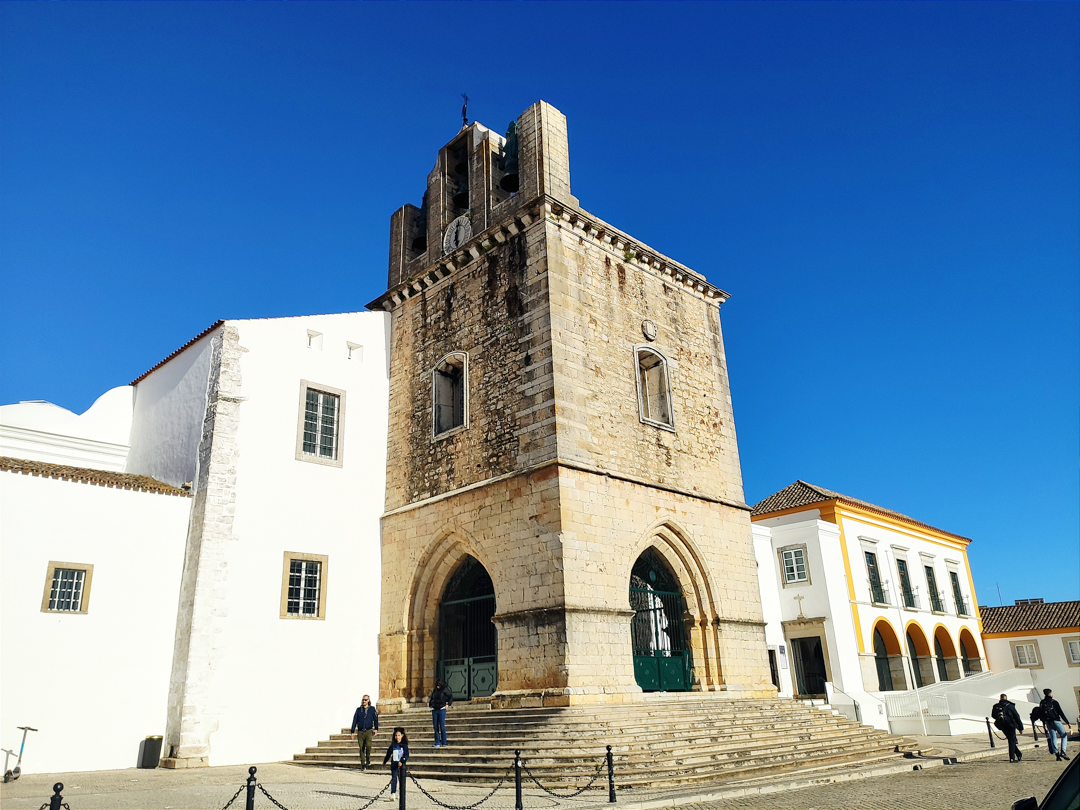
(794, 564)
(355, 351)
(1026, 655)
(303, 586)
(320, 432)
(67, 588)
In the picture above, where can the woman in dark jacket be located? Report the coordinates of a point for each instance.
(441, 699)
(397, 755)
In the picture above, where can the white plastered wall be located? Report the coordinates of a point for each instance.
(94, 685)
(170, 405)
(1055, 672)
(284, 684)
(768, 585)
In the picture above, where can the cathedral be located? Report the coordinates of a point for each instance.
(564, 520)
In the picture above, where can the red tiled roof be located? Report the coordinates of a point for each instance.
(101, 478)
(802, 493)
(1024, 618)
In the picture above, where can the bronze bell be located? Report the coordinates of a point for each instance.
(510, 160)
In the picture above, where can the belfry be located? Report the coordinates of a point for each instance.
(564, 518)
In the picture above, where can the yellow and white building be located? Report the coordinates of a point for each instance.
(869, 608)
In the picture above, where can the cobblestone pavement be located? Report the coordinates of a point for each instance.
(981, 785)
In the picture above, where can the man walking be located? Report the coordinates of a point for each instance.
(1008, 720)
(365, 726)
(1055, 721)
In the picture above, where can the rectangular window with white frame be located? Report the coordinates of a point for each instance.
(303, 586)
(320, 431)
(1026, 654)
(793, 564)
(67, 588)
(1072, 651)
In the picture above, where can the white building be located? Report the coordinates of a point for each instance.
(277, 430)
(861, 601)
(1041, 639)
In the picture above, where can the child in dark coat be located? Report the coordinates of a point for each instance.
(397, 754)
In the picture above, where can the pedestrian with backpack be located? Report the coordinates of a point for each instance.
(1055, 721)
(1007, 719)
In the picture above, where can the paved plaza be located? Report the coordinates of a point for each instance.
(980, 779)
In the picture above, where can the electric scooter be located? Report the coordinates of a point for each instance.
(16, 772)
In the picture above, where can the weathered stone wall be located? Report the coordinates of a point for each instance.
(607, 522)
(194, 709)
(495, 310)
(599, 300)
(512, 527)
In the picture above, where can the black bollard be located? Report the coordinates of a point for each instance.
(401, 786)
(518, 803)
(990, 731)
(249, 803)
(610, 777)
(56, 800)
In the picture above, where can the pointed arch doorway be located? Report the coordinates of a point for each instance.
(662, 660)
(468, 644)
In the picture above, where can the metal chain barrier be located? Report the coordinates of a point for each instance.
(460, 806)
(375, 798)
(599, 770)
(233, 799)
(277, 804)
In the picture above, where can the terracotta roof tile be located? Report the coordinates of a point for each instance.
(101, 478)
(1024, 618)
(195, 339)
(802, 493)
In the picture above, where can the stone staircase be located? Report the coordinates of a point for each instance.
(663, 740)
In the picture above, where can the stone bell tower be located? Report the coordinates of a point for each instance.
(564, 508)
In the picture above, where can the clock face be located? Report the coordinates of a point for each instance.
(457, 234)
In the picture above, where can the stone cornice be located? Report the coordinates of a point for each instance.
(579, 221)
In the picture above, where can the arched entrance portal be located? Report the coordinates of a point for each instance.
(467, 639)
(662, 660)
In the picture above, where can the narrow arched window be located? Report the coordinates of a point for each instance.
(449, 394)
(654, 388)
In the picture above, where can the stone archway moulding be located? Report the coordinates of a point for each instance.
(682, 555)
(433, 569)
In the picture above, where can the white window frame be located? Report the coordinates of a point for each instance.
(1028, 650)
(339, 429)
(83, 576)
(1072, 651)
(319, 602)
(643, 376)
(793, 550)
(459, 360)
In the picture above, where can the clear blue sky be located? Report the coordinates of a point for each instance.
(890, 192)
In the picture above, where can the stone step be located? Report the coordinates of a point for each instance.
(651, 776)
(656, 738)
(576, 758)
(656, 741)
